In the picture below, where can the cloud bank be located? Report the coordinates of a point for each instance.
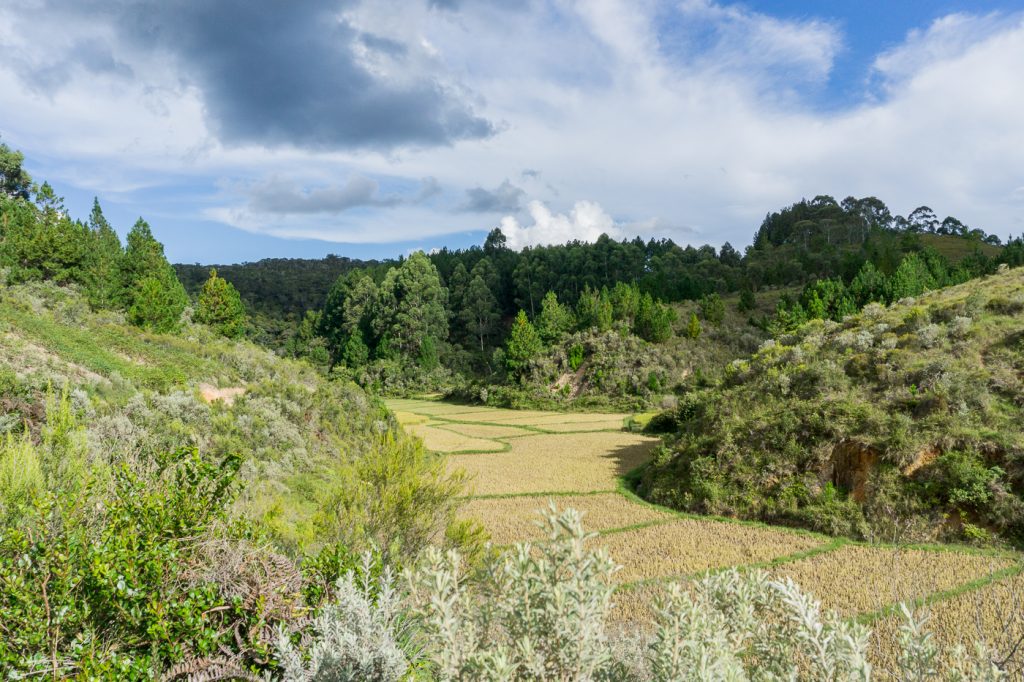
(686, 119)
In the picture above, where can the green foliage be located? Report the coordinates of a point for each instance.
(594, 310)
(221, 307)
(712, 309)
(911, 278)
(906, 433)
(555, 320)
(747, 301)
(103, 261)
(654, 320)
(412, 306)
(524, 344)
(158, 302)
(15, 182)
(693, 328)
(122, 592)
(576, 355)
(479, 313)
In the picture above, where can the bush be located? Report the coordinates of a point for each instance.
(575, 356)
(357, 636)
(538, 615)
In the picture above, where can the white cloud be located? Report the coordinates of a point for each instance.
(586, 222)
(689, 114)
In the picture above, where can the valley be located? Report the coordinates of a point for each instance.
(519, 462)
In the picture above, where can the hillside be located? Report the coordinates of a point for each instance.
(900, 423)
(134, 394)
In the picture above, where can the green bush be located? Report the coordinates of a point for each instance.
(575, 356)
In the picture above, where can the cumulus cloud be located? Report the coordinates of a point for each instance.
(505, 198)
(585, 222)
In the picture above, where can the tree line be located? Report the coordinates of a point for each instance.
(40, 241)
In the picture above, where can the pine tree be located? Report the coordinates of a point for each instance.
(143, 258)
(653, 320)
(594, 310)
(159, 301)
(911, 278)
(221, 307)
(523, 345)
(103, 261)
(555, 320)
(712, 309)
(693, 329)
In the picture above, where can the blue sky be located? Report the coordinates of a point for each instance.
(243, 130)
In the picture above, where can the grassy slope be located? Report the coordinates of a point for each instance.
(939, 375)
(955, 249)
(139, 393)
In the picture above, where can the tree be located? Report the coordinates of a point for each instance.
(221, 307)
(625, 300)
(15, 182)
(911, 278)
(349, 309)
(479, 311)
(158, 302)
(594, 310)
(712, 309)
(103, 261)
(306, 343)
(869, 285)
(523, 345)
(748, 301)
(693, 329)
(555, 319)
(653, 320)
(412, 306)
(143, 258)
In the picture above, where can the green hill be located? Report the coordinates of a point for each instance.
(135, 394)
(900, 423)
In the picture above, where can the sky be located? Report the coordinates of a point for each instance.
(249, 129)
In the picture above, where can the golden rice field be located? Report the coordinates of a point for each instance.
(686, 546)
(547, 463)
(514, 519)
(522, 459)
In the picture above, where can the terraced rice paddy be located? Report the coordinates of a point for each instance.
(518, 461)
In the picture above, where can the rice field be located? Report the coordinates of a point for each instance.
(519, 460)
(856, 579)
(546, 463)
(514, 519)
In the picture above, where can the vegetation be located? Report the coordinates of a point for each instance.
(899, 423)
(220, 307)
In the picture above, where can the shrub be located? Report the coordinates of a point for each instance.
(575, 356)
(538, 614)
(356, 636)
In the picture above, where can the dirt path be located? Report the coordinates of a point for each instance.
(519, 461)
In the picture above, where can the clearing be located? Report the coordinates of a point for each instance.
(519, 461)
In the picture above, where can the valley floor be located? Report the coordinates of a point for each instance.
(520, 461)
